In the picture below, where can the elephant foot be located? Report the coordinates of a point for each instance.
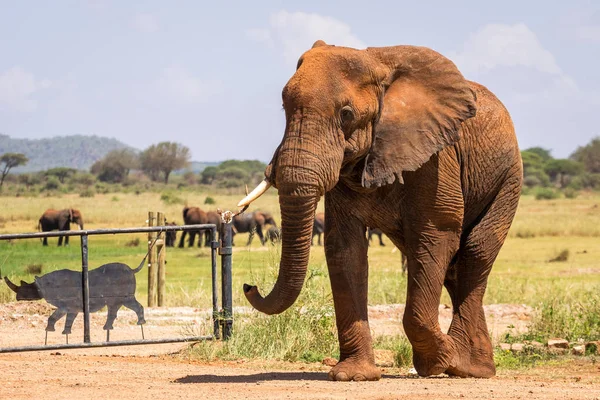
(50, 329)
(478, 363)
(108, 327)
(350, 370)
(484, 369)
(141, 321)
(437, 359)
(66, 331)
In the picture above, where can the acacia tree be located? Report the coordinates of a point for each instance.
(115, 166)
(164, 157)
(561, 170)
(589, 155)
(61, 173)
(10, 160)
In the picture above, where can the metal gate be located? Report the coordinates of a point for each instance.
(222, 319)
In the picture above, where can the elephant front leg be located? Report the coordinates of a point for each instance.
(433, 351)
(261, 236)
(346, 252)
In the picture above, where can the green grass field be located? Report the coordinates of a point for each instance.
(565, 293)
(522, 273)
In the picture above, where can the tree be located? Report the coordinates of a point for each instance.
(208, 174)
(589, 156)
(164, 157)
(10, 160)
(561, 170)
(543, 153)
(115, 166)
(61, 173)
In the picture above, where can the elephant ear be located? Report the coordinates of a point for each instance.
(425, 100)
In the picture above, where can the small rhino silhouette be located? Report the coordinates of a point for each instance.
(111, 285)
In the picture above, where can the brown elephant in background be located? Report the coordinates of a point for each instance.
(318, 228)
(170, 236)
(377, 232)
(396, 138)
(192, 216)
(52, 220)
(251, 223)
(212, 217)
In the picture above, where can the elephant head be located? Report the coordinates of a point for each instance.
(75, 217)
(365, 115)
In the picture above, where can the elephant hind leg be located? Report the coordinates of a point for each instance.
(467, 280)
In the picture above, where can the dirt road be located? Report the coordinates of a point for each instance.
(71, 376)
(150, 372)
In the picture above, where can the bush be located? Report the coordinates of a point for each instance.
(571, 193)
(230, 183)
(546, 194)
(171, 198)
(87, 193)
(102, 188)
(52, 183)
(209, 200)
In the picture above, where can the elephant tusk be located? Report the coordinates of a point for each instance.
(255, 194)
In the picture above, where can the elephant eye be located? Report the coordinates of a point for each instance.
(346, 115)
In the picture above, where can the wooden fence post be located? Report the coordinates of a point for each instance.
(151, 263)
(161, 250)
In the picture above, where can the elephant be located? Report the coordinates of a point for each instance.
(212, 217)
(273, 234)
(192, 216)
(318, 228)
(253, 222)
(376, 232)
(394, 138)
(170, 236)
(59, 220)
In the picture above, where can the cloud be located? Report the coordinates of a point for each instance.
(499, 45)
(177, 82)
(295, 32)
(145, 23)
(17, 88)
(589, 32)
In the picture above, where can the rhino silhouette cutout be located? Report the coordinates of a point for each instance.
(111, 285)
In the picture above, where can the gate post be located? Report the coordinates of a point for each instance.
(226, 253)
(214, 246)
(85, 289)
(161, 250)
(151, 263)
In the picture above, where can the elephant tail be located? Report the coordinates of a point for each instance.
(139, 268)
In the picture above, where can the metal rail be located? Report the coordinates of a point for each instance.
(103, 344)
(143, 229)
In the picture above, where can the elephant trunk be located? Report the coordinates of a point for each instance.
(11, 285)
(297, 214)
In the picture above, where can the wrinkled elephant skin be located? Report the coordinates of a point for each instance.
(395, 138)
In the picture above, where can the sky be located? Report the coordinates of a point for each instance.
(209, 75)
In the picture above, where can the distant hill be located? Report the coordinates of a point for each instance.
(77, 151)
